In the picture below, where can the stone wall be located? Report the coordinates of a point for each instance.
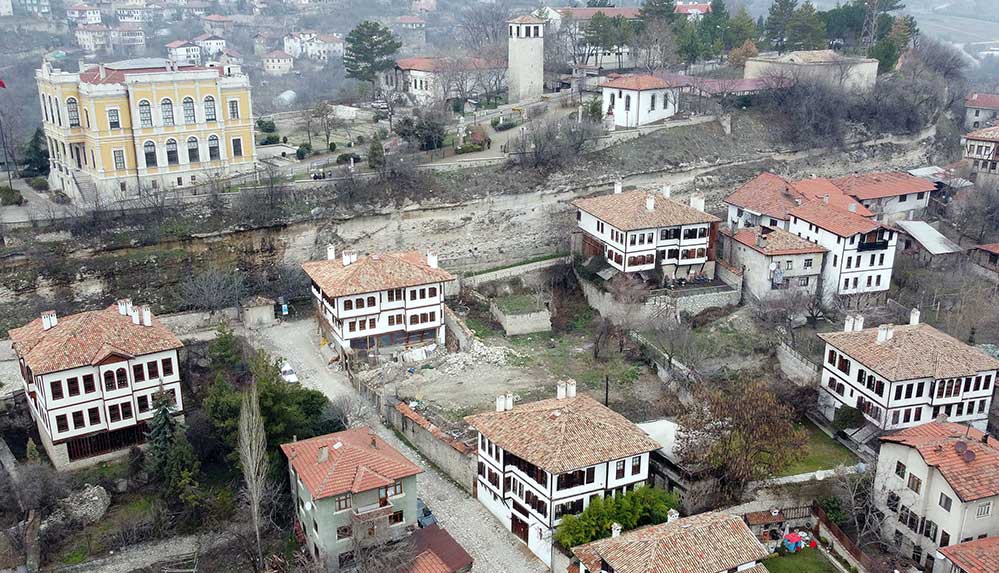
(451, 456)
(798, 368)
(527, 323)
(457, 330)
(512, 272)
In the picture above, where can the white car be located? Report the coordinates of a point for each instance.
(288, 373)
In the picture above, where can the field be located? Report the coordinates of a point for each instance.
(805, 561)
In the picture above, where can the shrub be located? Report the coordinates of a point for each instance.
(508, 124)
(9, 196)
(380, 116)
(848, 417)
(361, 140)
(494, 121)
(270, 140)
(332, 146)
(301, 152)
(266, 125)
(468, 148)
(284, 139)
(346, 157)
(39, 184)
(642, 506)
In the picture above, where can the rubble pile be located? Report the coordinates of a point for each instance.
(477, 354)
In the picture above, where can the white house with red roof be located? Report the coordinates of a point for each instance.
(350, 488)
(978, 556)
(83, 14)
(767, 200)
(277, 63)
(774, 262)
(313, 45)
(891, 195)
(210, 44)
(379, 300)
(184, 52)
(543, 460)
(980, 110)
(636, 100)
(91, 378)
(429, 79)
(981, 153)
(902, 376)
(938, 483)
(693, 11)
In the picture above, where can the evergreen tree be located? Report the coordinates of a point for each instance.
(886, 53)
(32, 453)
(376, 153)
(805, 30)
(689, 43)
(658, 9)
(714, 26)
(778, 20)
(370, 49)
(225, 353)
(598, 3)
(161, 438)
(741, 29)
(36, 154)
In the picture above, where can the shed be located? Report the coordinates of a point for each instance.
(256, 311)
(920, 237)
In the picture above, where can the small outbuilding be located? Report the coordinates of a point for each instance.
(928, 244)
(636, 100)
(256, 311)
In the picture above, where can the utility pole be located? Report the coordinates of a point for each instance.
(870, 23)
(7, 157)
(606, 390)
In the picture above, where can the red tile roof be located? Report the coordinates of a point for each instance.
(178, 44)
(935, 441)
(410, 20)
(818, 188)
(437, 552)
(842, 223)
(636, 83)
(86, 338)
(526, 19)
(693, 8)
(888, 184)
(564, 435)
(373, 273)
(217, 18)
(354, 461)
(986, 134)
(990, 248)
(431, 64)
(767, 194)
(703, 543)
(982, 101)
(584, 14)
(978, 556)
(628, 211)
(278, 55)
(775, 242)
(763, 518)
(111, 76)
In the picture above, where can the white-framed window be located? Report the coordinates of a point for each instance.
(984, 509)
(114, 119)
(209, 108)
(166, 111)
(73, 112)
(119, 159)
(189, 115)
(233, 109)
(145, 114)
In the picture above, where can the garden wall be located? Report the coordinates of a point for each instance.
(692, 302)
(527, 323)
(515, 271)
(452, 456)
(798, 368)
(457, 330)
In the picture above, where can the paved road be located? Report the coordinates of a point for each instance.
(492, 547)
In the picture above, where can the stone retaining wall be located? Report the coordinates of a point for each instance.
(515, 271)
(527, 323)
(452, 456)
(456, 329)
(798, 368)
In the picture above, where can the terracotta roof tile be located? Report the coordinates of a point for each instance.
(818, 188)
(990, 248)
(970, 480)
(428, 562)
(526, 19)
(887, 184)
(704, 543)
(913, 351)
(564, 435)
(628, 212)
(842, 223)
(776, 242)
(767, 194)
(431, 64)
(986, 134)
(636, 82)
(87, 338)
(278, 55)
(438, 552)
(763, 518)
(693, 8)
(354, 466)
(372, 273)
(982, 101)
(978, 556)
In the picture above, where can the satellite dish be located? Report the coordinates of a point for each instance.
(308, 506)
(960, 447)
(773, 266)
(969, 456)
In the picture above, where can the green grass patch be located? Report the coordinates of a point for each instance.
(822, 453)
(75, 556)
(482, 327)
(519, 304)
(805, 561)
(536, 259)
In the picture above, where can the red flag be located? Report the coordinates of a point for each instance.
(3, 85)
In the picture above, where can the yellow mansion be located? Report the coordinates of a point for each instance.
(127, 128)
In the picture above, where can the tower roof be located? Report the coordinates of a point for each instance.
(526, 20)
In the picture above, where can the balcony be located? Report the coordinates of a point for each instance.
(380, 508)
(872, 246)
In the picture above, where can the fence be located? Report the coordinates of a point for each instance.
(842, 544)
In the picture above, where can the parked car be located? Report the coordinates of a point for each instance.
(424, 517)
(288, 373)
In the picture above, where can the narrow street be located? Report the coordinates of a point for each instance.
(492, 547)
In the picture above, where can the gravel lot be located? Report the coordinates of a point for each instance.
(492, 547)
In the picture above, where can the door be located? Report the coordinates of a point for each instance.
(519, 528)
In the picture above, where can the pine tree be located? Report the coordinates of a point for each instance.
(778, 20)
(224, 352)
(34, 455)
(741, 28)
(36, 154)
(658, 9)
(376, 153)
(805, 30)
(370, 48)
(714, 26)
(161, 438)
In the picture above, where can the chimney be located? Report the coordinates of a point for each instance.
(101, 71)
(128, 306)
(672, 515)
(330, 252)
(760, 240)
(508, 401)
(432, 260)
(650, 203)
(848, 326)
(914, 316)
(48, 319)
(324, 454)
(697, 202)
(353, 257)
(500, 403)
(136, 319)
(345, 259)
(858, 323)
(889, 331)
(618, 187)
(147, 316)
(882, 333)
(825, 199)
(371, 434)
(941, 417)
(615, 529)
(570, 389)
(123, 306)
(852, 207)
(667, 191)
(560, 390)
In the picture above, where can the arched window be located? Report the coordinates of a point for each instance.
(171, 149)
(122, 377)
(166, 110)
(149, 149)
(348, 305)
(627, 103)
(45, 111)
(108, 380)
(145, 114)
(73, 112)
(209, 108)
(359, 303)
(213, 147)
(193, 155)
(189, 116)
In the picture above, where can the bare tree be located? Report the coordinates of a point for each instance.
(376, 550)
(308, 119)
(655, 46)
(483, 24)
(326, 118)
(551, 143)
(213, 289)
(675, 338)
(253, 459)
(350, 411)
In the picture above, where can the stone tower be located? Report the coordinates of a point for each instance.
(526, 62)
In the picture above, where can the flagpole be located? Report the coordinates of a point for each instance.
(6, 157)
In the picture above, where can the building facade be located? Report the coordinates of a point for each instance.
(981, 153)
(640, 231)
(978, 556)
(91, 380)
(850, 74)
(351, 489)
(540, 461)
(890, 196)
(131, 127)
(83, 14)
(184, 53)
(277, 63)
(638, 100)
(774, 263)
(903, 376)
(379, 300)
(936, 483)
(526, 59)
(980, 110)
(427, 80)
